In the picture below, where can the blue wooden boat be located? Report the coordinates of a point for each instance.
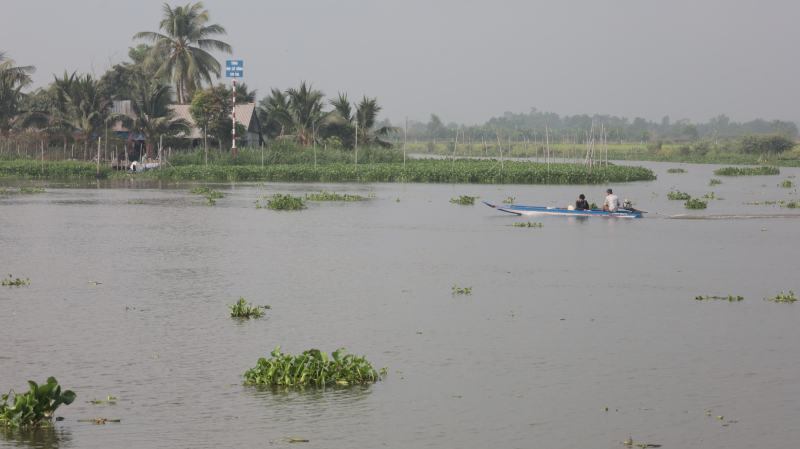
(539, 210)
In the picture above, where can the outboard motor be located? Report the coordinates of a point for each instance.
(627, 204)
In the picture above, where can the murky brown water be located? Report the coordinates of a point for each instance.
(604, 315)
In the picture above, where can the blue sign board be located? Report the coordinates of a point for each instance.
(234, 69)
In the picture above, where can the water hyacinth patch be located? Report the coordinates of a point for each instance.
(465, 200)
(461, 290)
(709, 195)
(15, 282)
(527, 225)
(243, 309)
(30, 190)
(786, 184)
(783, 297)
(696, 204)
(678, 195)
(677, 170)
(747, 171)
(729, 298)
(201, 190)
(312, 367)
(713, 182)
(331, 196)
(284, 202)
(34, 408)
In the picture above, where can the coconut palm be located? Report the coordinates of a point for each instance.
(342, 107)
(366, 113)
(151, 114)
(304, 113)
(182, 53)
(79, 105)
(12, 80)
(276, 100)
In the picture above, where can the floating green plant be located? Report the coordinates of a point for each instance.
(133, 202)
(696, 204)
(729, 298)
(311, 367)
(243, 309)
(5, 192)
(36, 407)
(783, 297)
(331, 196)
(15, 282)
(201, 190)
(678, 195)
(677, 170)
(110, 400)
(214, 194)
(465, 200)
(284, 202)
(786, 184)
(527, 225)
(99, 420)
(714, 182)
(709, 195)
(461, 290)
(31, 190)
(509, 200)
(747, 171)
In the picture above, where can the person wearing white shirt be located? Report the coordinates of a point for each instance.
(612, 202)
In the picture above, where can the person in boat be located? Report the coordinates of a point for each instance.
(582, 204)
(612, 202)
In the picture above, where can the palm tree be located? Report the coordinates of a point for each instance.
(366, 113)
(342, 107)
(244, 95)
(276, 100)
(79, 106)
(151, 114)
(182, 53)
(304, 113)
(12, 81)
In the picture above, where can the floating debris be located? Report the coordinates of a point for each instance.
(461, 291)
(99, 420)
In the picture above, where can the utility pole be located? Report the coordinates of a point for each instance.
(356, 146)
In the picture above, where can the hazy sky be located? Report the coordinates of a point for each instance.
(466, 60)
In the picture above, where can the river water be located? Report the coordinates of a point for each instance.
(564, 321)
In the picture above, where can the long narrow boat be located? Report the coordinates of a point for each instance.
(537, 210)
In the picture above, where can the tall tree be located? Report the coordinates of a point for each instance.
(151, 114)
(12, 80)
(304, 113)
(183, 52)
(270, 125)
(342, 107)
(366, 114)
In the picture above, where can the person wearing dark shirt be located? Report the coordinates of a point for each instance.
(582, 204)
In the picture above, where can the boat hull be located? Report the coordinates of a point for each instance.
(540, 210)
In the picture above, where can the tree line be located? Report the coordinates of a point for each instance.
(177, 68)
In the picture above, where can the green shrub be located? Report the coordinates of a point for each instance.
(311, 367)
(765, 143)
(34, 408)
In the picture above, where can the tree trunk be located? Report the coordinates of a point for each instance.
(87, 143)
(180, 89)
(150, 145)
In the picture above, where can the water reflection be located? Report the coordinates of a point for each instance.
(290, 403)
(45, 438)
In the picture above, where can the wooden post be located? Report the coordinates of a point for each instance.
(42, 157)
(356, 146)
(262, 155)
(405, 141)
(547, 135)
(455, 146)
(500, 147)
(99, 139)
(314, 137)
(160, 151)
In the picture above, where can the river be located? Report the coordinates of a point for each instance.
(564, 321)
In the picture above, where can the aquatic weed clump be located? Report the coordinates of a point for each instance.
(747, 171)
(312, 367)
(36, 407)
(678, 195)
(331, 196)
(677, 170)
(465, 200)
(30, 190)
(696, 204)
(285, 202)
(15, 282)
(783, 297)
(243, 309)
(713, 182)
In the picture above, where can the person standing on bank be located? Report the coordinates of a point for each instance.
(612, 202)
(582, 204)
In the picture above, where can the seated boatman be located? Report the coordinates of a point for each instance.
(612, 202)
(582, 204)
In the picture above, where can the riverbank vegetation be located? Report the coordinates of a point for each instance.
(747, 171)
(34, 408)
(312, 367)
